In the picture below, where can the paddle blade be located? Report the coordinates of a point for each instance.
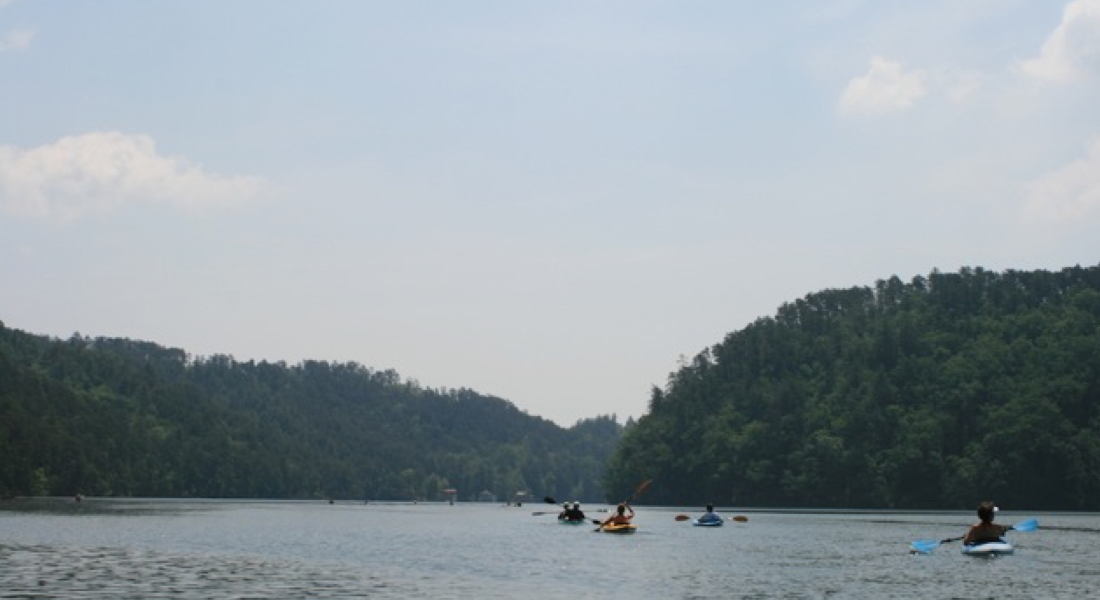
(549, 500)
(740, 519)
(682, 517)
(639, 490)
(924, 546)
(1028, 525)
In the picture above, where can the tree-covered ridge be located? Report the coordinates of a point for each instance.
(127, 418)
(935, 393)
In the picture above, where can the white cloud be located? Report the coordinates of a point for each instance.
(886, 87)
(1073, 48)
(1071, 192)
(102, 171)
(18, 39)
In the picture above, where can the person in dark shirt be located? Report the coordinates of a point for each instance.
(985, 531)
(575, 513)
(710, 516)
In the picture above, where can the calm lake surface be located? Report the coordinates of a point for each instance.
(109, 548)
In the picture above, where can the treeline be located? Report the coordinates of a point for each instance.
(117, 417)
(937, 393)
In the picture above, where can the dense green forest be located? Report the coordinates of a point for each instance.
(116, 417)
(937, 393)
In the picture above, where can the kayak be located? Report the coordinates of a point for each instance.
(625, 528)
(699, 523)
(572, 521)
(996, 548)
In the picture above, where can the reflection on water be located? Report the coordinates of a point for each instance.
(42, 572)
(56, 548)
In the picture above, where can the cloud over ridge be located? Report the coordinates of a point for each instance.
(1073, 48)
(886, 87)
(98, 172)
(1070, 192)
(17, 39)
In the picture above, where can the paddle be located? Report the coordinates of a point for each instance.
(539, 513)
(927, 546)
(641, 488)
(548, 500)
(1026, 526)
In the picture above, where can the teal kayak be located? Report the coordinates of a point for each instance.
(699, 523)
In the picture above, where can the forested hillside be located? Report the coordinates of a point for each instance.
(937, 393)
(934, 393)
(118, 417)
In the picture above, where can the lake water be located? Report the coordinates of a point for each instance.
(109, 548)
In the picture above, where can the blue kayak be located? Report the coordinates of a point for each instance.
(993, 548)
(707, 523)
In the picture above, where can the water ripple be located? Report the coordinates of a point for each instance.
(45, 572)
(256, 550)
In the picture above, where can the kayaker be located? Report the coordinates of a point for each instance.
(576, 514)
(985, 531)
(564, 514)
(710, 516)
(620, 517)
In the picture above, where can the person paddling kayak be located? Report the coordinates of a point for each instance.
(710, 516)
(564, 514)
(573, 513)
(985, 531)
(620, 517)
(576, 514)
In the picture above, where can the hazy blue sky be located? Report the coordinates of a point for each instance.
(548, 202)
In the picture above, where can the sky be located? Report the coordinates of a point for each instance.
(554, 203)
